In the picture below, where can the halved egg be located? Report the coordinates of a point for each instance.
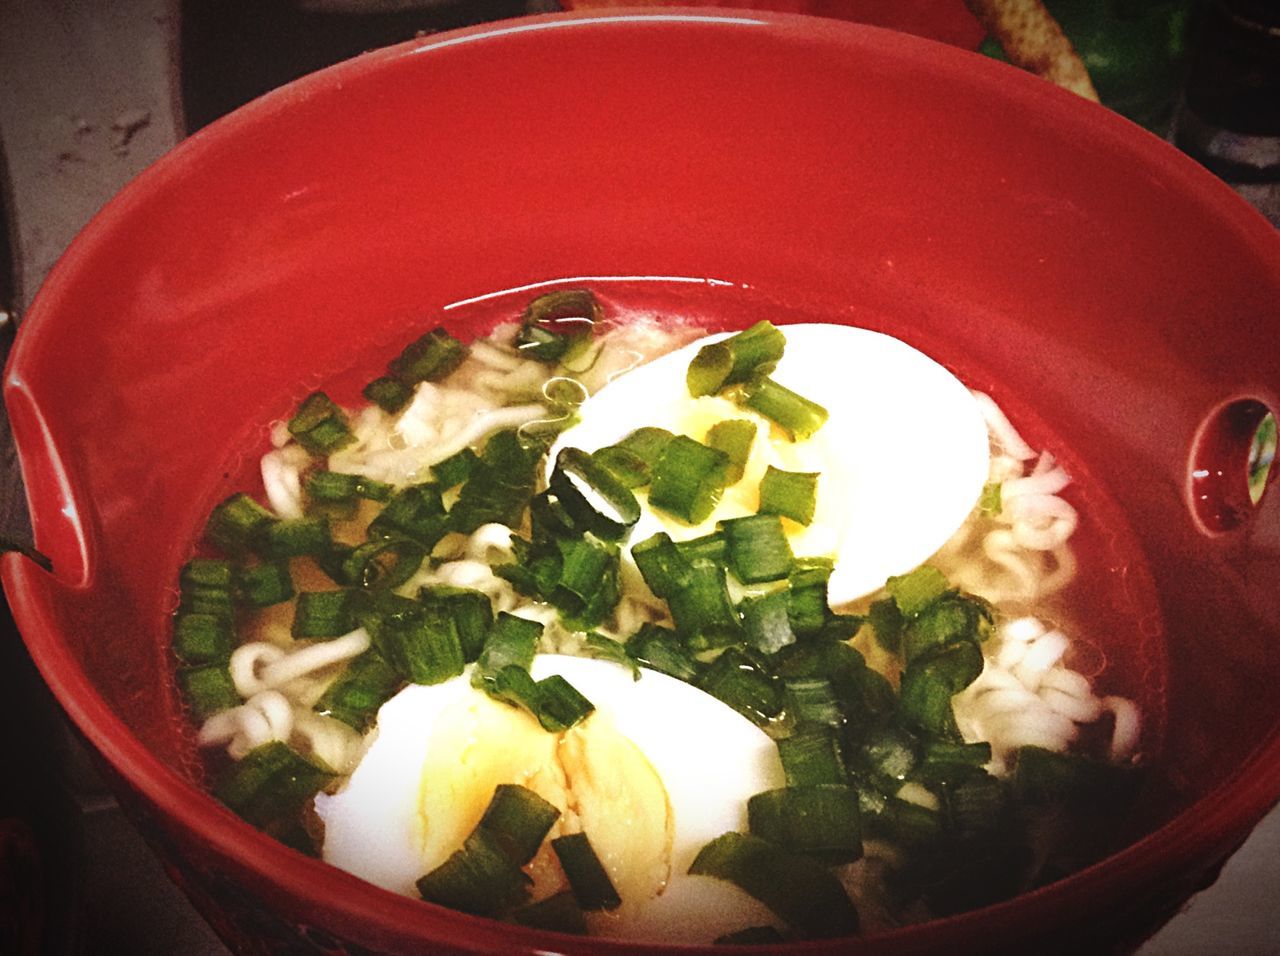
(656, 772)
(902, 458)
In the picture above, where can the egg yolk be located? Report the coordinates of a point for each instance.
(600, 781)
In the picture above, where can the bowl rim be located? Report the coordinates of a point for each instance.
(1210, 824)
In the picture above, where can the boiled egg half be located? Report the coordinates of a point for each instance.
(902, 458)
(655, 773)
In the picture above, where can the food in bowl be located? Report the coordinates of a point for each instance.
(602, 623)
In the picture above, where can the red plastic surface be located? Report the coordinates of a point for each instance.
(1069, 262)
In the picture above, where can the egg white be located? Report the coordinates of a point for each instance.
(902, 459)
(708, 757)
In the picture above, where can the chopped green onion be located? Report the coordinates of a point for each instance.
(511, 642)
(326, 613)
(213, 601)
(886, 621)
(791, 494)
(588, 879)
(899, 821)
(812, 756)
(419, 641)
(801, 891)
(819, 821)
(989, 503)
(660, 649)
(471, 611)
(416, 512)
(757, 548)
(915, 590)
(807, 606)
(734, 438)
(709, 547)
(339, 487)
(560, 705)
(766, 622)
(631, 460)
(294, 538)
(664, 568)
(559, 913)
(945, 762)
(556, 323)
(688, 478)
(206, 573)
(384, 564)
(596, 500)
(519, 819)
(265, 584)
(928, 686)
(389, 394)
(479, 878)
(754, 351)
(320, 426)
(596, 645)
(429, 358)
(355, 696)
(272, 783)
(501, 484)
(702, 610)
(236, 522)
(813, 700)
(733, 679)
(942, 622)
(455, 469)
(975, 807)
(586, 591)
(793, 413)
(202, 638)
(207, 689)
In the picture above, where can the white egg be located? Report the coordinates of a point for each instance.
(658, 771)
(902, 459)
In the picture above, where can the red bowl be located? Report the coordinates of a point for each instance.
(1075, 265)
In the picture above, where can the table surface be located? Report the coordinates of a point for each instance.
(88, 98)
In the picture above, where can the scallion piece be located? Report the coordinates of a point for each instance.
(813, 700)
(471, 611)
(942, 622)
(355, 696)
(586, 589)
(455, 469)
(801, 891)
(202, 638)
(263, 585)
(914, 591)
(631, 460)
(688, 479)
(294, 538)
(708, 547)
(416, 512)
(664, 568)
(560, 705)
(734, 438)
(794, 414)
(339, 487)
(928, 685)
(429, 358)
(419, 641)
(702, 610)
(754, 351)
(757, 548)
(271, 783)
(559, 913)
(206, 573)
(555, 323)
(501, 484)
(886, 622)
(989, 503)
(389, 394)
(213, 601)
(899, 821)
(766, 622)
(819, 821)
(384, 564)
(325, 613)
(320, 426)
(207, 689)
(733, 679)
(596, 500)
(511, 642)
(812, 756)
(948, 763)
(235, 524)
(588, 879)
(601, 648)
(791, 494)
(660, 649)
(479, 878)
(519, 820)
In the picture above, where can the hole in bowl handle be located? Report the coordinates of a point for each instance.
(1222, 498)
(57, 541)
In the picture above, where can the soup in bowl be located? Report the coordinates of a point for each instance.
(665, 477)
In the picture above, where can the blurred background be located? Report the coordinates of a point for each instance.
(93, 91)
